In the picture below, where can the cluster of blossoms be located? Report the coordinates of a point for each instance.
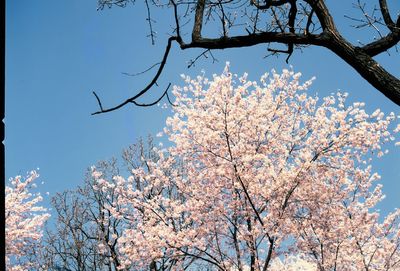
(24, 223)
(260, 177)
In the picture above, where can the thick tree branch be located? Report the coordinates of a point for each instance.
(285, 27)
(309, 22)
(198, 20)
(269, 3)
(324, 17)
(292, 20)
(386, 15)
(367, 67)
(379, 46)
(176, 17)
(257, 38)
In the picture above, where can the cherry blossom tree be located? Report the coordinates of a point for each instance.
(260, 176)
(24, 223)
(85, 233)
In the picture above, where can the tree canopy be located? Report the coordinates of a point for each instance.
(259, 177)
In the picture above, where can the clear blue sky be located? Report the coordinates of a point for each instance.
(58, 52)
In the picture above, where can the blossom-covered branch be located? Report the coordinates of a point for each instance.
(24, 223)
(260, 176)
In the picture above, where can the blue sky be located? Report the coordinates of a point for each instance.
(58, 52)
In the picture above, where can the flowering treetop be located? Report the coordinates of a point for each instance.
(24, 222)
(260, 176)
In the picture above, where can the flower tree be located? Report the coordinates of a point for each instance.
(24, 222)
(260, 176)
(85, 235)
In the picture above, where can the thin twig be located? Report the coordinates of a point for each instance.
(150, 20)
(142, 72)
(155, 102)
(169, 100)
(98, 100)
(204, 53)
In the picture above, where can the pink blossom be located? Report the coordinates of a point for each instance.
(261, 176)
(24, 222)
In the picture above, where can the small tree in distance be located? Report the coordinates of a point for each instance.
(85, 234)
(24, 224)
(259, 177)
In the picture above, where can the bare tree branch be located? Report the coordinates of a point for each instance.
(155, 102)
(386, 15)
(269, 3)
(293, 23)
(151, 84)
(149, 20)
(142, 72)
(198, 20)
(203, 54)
(379, 46)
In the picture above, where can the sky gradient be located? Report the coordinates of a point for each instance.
(58, 52)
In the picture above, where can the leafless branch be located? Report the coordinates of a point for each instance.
(142, 72)
(203, 54)
(155, 102)
(269, 3)
(143, 91)
(292, 23)
(150, 20)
